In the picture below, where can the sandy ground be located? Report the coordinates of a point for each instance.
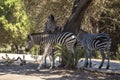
(28, 72)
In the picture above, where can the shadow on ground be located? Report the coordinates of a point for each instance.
(55, 74)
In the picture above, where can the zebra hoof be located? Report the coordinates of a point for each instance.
(86, 66)
(60, 65)
(44, 66)
(50, 68)
(65, 66)
(99, 67)
(107, 67)
(53, 67)
(37, 70)
(90, 66)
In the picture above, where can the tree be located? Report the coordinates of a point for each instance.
(109, 22)
(61, 7)
(103, 16)
(39, 10)
(100, 16)
(14, 22)
(73, 24)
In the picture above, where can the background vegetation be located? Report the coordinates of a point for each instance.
(20, 17)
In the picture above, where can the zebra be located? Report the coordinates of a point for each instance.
(50, 27)
(65, 38)
(94, 42)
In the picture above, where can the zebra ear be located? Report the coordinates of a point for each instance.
(51, 17)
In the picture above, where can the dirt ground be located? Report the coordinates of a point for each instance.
(28, 72)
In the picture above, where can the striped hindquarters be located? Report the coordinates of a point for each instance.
(98, 41)
(67, 39)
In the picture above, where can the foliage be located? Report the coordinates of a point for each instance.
(6, 48)
(106, 13)
(19, 17)
(14, 22)
(79, 53)
(39, 10)
(34, 51)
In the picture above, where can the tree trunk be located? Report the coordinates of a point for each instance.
(74, 22)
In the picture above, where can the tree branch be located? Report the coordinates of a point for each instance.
(74, 22)
(75, 5)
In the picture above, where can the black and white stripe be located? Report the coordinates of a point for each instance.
(66, 39)
(50, 28)
(94, 42)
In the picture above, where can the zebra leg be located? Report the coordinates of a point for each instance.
(43, 57)
(108, 57)
(103, 58)
(86, 59)
(51, 62)
(51, 56)
(67, 62)
(90, 64)
(41, 62)
(45, 60)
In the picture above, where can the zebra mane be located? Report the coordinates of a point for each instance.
(29, 35)
(42, 33)
(36, 33)
(32, 34)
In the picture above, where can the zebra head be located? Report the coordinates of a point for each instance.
(50, 25)
(81, 34)
(30, 43)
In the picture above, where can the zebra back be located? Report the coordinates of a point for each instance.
(103, 37)
(65, 38)
(94, 41)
